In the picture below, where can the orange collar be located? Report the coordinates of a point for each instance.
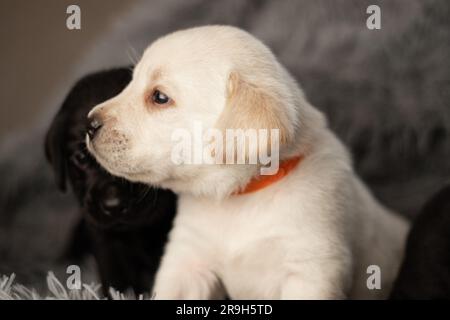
(262, 182)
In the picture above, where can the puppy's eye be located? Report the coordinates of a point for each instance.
(159, 97)
(80, 159)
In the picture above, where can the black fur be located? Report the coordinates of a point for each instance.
(425, 272)
(124, 224)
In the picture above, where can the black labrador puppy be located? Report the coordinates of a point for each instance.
(425, 272)
(124, 224)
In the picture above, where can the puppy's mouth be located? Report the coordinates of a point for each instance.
(116, 169)
(91, 148)
(103, 161)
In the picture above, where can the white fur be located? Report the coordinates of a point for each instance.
(310, 235)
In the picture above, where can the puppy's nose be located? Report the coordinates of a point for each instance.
(94, 124)
(112, 202)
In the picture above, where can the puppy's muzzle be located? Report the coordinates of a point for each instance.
(94, 124)
(112, 202)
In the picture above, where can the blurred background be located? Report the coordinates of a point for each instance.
(385, 92)
(38, 51)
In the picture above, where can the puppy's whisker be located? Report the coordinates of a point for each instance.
(143, 194)
(155, 197)
(132, 55)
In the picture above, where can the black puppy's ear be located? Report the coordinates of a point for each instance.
(56, 152)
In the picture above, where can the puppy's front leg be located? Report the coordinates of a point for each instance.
(318, 280)
(186, 277)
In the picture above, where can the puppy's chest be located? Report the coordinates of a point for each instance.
(228, 224)
(245, 242)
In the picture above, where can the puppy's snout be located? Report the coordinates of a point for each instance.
(93, 126)
(112, 202)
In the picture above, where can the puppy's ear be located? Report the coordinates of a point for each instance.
(252, 107)
(55, 150)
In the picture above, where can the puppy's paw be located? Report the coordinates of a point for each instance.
(187, 285)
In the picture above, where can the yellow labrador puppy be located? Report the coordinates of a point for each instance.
(309, 230)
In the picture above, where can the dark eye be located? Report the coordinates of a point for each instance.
(80, 159)
(159, 97)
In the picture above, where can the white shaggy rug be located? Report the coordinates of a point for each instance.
(9, 290)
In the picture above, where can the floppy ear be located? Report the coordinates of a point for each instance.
(55, 150)
(252, 107)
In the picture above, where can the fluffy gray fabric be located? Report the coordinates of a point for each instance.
(386, 94)
(56, 290)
